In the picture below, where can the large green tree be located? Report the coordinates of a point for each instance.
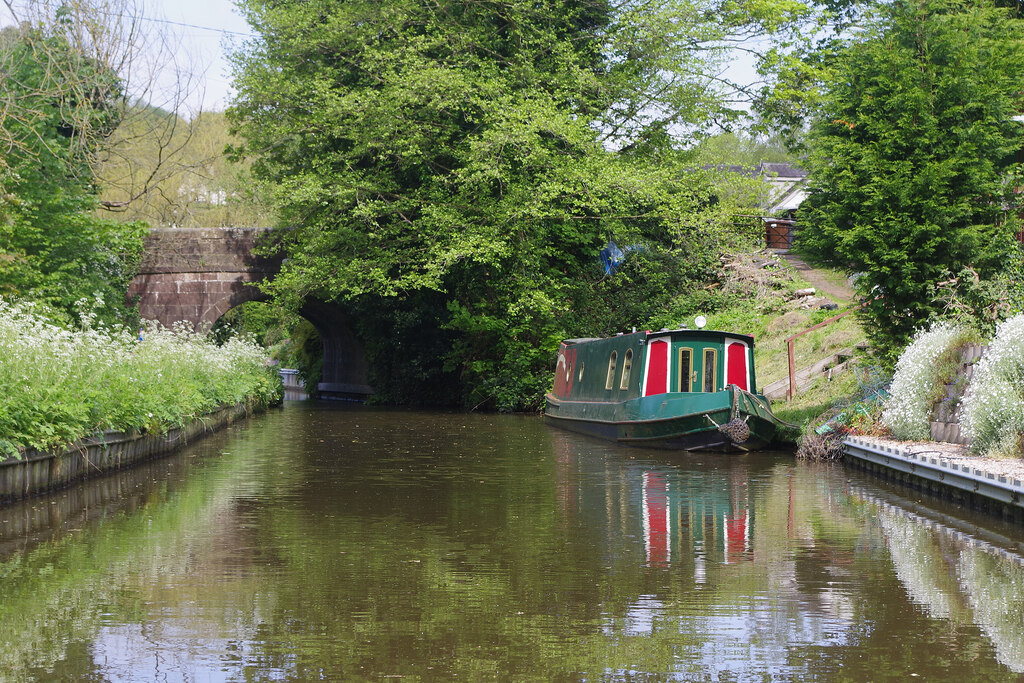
(913, 154)
(457, 166)
(61, 104)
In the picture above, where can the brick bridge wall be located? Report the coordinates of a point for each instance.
(199, 274)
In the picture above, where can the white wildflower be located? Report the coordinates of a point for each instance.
(993, 410)
(908, 410)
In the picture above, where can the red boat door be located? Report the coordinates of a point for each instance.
(656, 366)
(737, 365)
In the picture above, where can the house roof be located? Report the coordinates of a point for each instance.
(770, 170)
(781, 170)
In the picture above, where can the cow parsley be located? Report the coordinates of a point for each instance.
(60, 385)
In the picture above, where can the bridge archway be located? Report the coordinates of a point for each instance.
(199, 274)
(345, 371)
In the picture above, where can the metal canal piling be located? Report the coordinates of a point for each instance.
(38, 472)
(972, 481)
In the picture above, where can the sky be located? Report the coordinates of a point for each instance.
(210, 23)
(200, 29)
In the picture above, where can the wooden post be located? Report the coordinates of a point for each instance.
(790, 343)
(792, 369)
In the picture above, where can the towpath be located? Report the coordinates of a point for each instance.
(839, 291)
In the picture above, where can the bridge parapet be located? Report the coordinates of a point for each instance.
(206, 250)
(198, 274)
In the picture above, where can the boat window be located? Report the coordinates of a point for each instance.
(627, 365)
(710, 366)
(609, 381)
(685, 369)
(579, 376)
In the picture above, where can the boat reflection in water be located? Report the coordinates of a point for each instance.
(760, 559)
(675, 520)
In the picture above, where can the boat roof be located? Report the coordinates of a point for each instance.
(706, 334)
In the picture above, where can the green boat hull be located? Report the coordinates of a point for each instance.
(679, 421)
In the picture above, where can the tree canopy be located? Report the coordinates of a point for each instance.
(51, 249)
(458, 166)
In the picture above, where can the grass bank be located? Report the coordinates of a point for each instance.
(767, 299)
(762, 295)
(61, 385)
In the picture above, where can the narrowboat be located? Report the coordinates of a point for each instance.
(680, 389)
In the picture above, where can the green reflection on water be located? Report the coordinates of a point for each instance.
(322, 542)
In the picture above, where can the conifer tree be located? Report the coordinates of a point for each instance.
(913, 155)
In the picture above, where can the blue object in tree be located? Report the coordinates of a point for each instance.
(612, 256)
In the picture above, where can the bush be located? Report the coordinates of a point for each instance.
(993, 410)
(922, 368)
(61, 385)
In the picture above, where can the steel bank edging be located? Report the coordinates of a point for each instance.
(940, 470)
(40, 472)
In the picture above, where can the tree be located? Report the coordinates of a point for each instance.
(745, 150)
(199, 187)
(51, 249)
(154, 109)
(913, 155)
(93, 115)
(457, 166)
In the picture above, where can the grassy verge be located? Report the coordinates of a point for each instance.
(764, 304)
(61, 385)
(820, 398)
(772, 354)
(825, 412)
(761, 290)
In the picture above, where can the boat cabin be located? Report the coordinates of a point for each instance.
(630, 366)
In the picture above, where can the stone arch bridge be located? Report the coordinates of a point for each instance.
(199, 274)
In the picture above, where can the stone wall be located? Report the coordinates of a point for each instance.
(945, 424)
(198, 274)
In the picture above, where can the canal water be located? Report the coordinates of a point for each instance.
(331, 542)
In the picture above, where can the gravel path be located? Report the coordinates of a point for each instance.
(836, 291)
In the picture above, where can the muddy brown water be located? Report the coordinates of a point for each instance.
(332, 542)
